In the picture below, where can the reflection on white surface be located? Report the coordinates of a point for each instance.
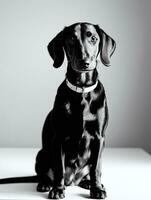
(126, 175)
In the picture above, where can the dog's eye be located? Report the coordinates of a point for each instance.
(88, 33)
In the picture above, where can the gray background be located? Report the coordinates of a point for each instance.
(28, 82)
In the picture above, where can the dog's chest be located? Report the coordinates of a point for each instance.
(86, 103)
(81, 107)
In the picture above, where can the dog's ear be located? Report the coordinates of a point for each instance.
(107, 46)
(55, 49)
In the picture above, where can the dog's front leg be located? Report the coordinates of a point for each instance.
(97, 190)
(58, 189)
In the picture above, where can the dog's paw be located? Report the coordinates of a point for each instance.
(57, 193)
(42, 187)
(98, 192)
(85, 184)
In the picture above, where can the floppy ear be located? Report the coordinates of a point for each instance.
(107, 46)
(55, 49)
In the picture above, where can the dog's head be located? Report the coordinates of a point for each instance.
(82, 43)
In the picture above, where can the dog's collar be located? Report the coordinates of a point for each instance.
(81, 89)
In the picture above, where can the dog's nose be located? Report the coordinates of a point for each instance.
(84, 64)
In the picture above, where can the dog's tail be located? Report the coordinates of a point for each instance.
(24, 179)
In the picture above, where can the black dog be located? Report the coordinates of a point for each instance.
(73, 133)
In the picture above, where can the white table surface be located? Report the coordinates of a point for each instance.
(126, 175)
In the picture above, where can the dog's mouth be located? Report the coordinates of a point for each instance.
(82, 66)
(82, 69)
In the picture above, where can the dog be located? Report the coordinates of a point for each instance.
(73, 134)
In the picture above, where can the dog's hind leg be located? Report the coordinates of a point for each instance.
(42, 168)
(43, 159)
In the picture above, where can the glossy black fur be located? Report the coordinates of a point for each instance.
(74, 131)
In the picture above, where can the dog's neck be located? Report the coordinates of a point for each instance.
(82, 79)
